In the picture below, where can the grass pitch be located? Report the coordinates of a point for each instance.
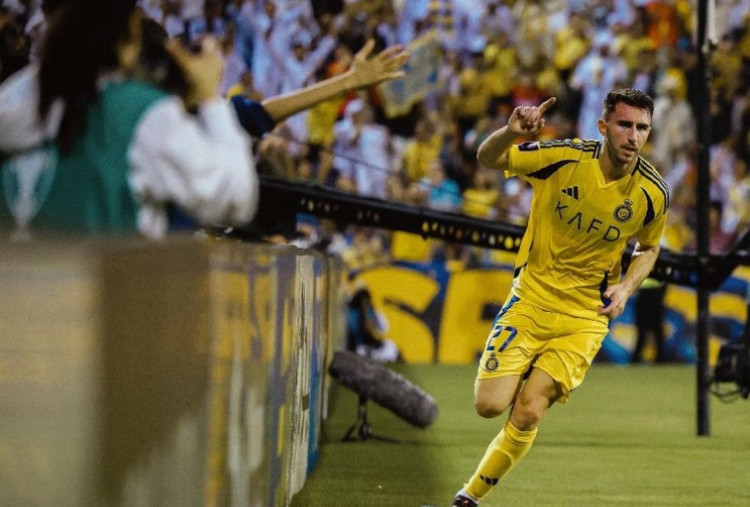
(627, 437)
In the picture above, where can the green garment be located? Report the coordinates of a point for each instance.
(87, 189)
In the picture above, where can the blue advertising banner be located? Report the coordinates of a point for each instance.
(445, 315)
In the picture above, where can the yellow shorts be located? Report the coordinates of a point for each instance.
(525, 336)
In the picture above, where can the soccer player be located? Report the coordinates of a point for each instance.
(590, 198)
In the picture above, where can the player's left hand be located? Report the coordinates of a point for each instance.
(617, 295)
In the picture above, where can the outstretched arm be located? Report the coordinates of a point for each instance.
(364, 72)
(524, 121)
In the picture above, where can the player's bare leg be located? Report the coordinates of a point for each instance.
(538, 394)
(493, 396)
(530, 401)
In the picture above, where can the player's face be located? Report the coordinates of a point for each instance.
(625, 132)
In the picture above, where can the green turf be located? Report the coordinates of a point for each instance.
(627, 437)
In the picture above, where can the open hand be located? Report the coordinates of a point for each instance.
(384, 66)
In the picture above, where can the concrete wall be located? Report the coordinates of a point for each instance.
(187, 372)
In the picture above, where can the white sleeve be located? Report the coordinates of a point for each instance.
(202, 164)
(20, 125)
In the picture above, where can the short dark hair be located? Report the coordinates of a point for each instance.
(629, 96)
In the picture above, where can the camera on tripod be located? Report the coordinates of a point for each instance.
(733, 364)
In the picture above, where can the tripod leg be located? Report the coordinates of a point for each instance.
(348, 437)
(365, 429)
(361, 422)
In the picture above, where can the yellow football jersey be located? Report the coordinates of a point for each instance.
(579, 226)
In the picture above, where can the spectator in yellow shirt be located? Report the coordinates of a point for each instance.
(420, 151)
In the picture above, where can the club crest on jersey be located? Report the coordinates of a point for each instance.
(624, 212)
(491, 364)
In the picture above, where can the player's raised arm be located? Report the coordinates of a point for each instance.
(524, 121)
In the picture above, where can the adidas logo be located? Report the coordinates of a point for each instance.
(571, 191)
(492, 481)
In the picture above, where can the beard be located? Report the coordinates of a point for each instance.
(618, 154)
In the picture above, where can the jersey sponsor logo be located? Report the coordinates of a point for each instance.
(571, 191)
(624, 211)
(591, 225)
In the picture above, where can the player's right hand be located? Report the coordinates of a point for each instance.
(528, 120)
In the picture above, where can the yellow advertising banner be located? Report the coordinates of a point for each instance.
(446, 316)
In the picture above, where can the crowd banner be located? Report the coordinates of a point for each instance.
(421, 77)
(185, 372)
(446, 314)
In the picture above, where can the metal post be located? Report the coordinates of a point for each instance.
(702, 199)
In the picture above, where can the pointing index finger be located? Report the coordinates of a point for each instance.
(547, 104)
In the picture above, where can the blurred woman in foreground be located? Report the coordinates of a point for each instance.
(89, 149)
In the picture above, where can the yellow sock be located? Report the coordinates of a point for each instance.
(507, 449)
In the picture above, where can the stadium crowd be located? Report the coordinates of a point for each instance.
(493, 56)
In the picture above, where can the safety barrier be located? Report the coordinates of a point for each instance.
(185, 372)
